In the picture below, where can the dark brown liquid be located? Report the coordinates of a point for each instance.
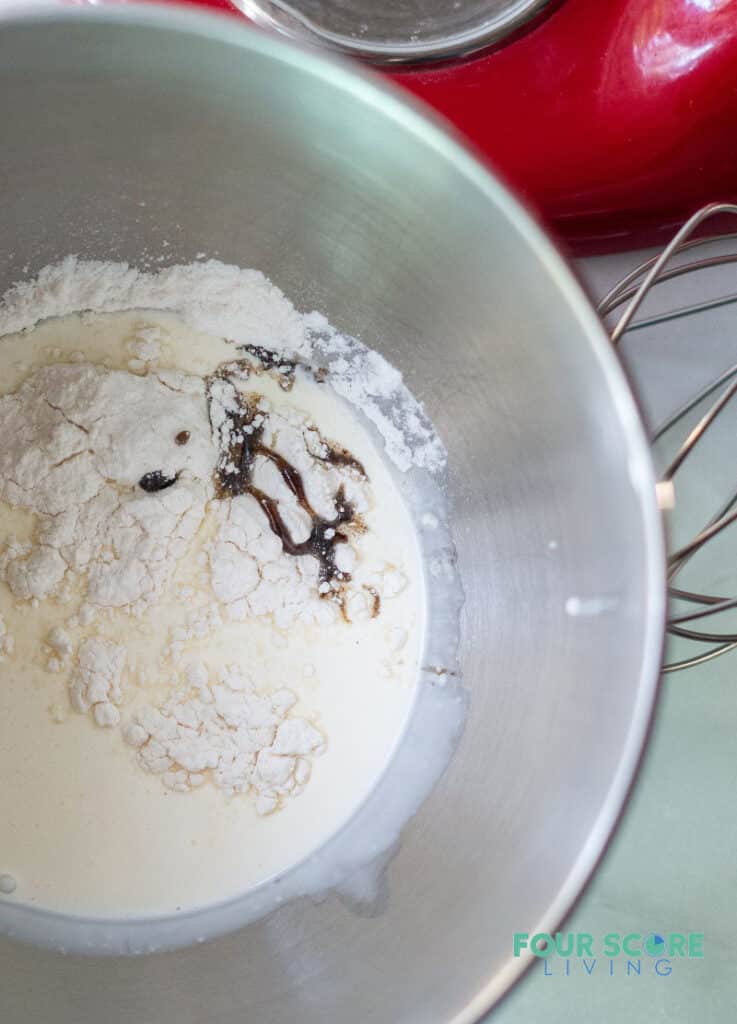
(234, 473)
(323, 537)
(156, 481)
(283, 368)
(182, 437)
(338, 456)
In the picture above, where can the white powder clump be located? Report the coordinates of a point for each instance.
(7, 641)
(60, 647)
(121, 469)
(79, 441)
(81, 445)
(386, 580)
(213, 297)
(95, 683)
(60, 642)
(241, 740)
(370, 383)
(246, 307)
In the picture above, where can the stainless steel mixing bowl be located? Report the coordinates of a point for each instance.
(134, 133)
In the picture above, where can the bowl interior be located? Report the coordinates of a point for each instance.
(131, 135)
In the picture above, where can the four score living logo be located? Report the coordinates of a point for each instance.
(571, 954)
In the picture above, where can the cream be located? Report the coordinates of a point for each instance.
(88, 831)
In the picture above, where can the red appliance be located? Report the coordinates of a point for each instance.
(615, 119)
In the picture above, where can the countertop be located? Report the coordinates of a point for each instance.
(672, 865)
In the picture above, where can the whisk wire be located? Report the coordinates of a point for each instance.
(631, 291)
(613, 297)
(658, 264)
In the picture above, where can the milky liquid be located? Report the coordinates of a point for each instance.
(85, 830)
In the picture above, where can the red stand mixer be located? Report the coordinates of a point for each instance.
(614, 119)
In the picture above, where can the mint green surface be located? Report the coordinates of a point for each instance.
(672, 865)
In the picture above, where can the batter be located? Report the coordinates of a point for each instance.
(212, 613)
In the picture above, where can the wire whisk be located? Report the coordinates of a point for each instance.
(631, 291)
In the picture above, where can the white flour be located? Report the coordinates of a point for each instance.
(173, 614)
(7, 641)
(75, 442)
(244, 306)
(96, 682)
(226, 731)
(121, 470)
